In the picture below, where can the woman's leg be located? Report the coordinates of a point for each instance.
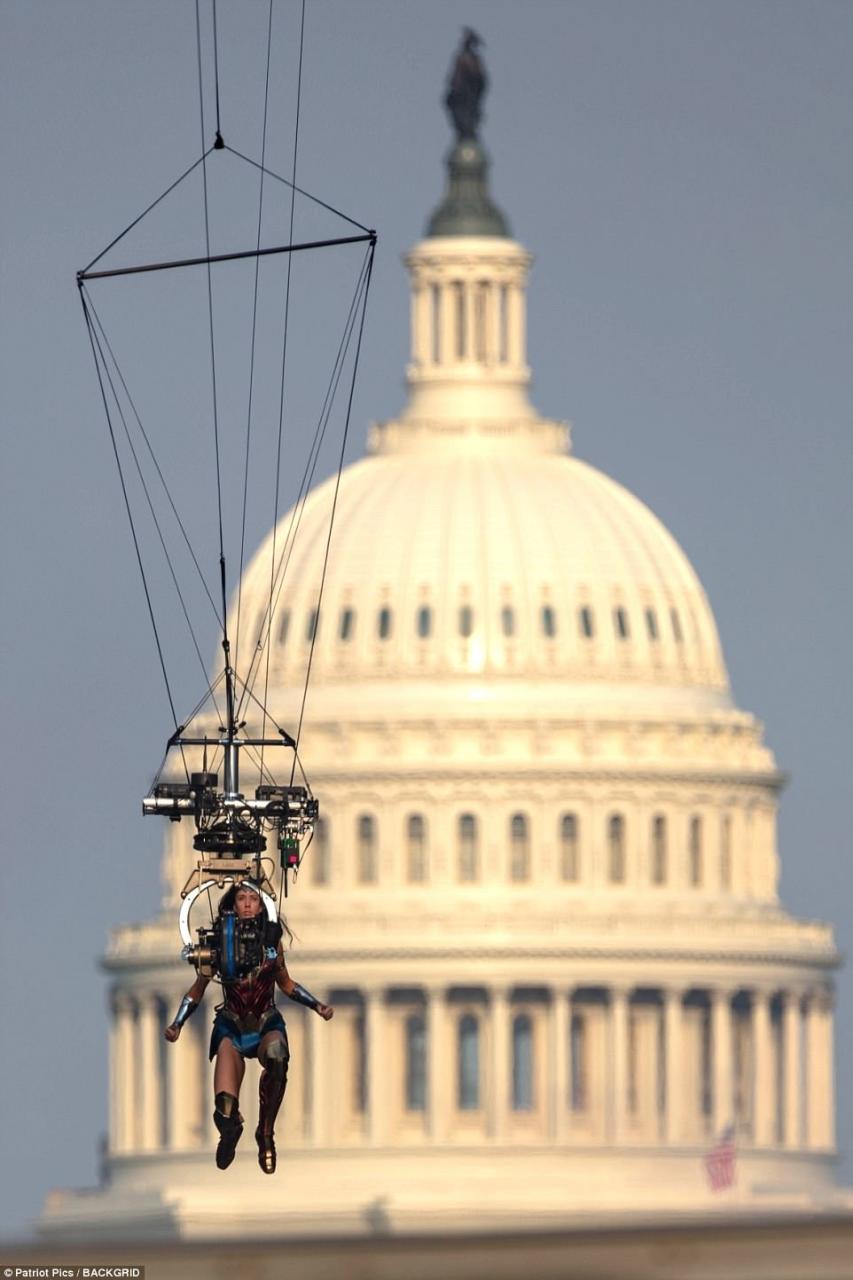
(227, 1078)
(274, 1055)
(229, 1070)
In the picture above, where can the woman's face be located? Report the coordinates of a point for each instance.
(247, 904)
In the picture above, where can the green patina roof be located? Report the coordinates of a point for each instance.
(467, 208)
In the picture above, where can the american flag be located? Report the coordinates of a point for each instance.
(720, 1160)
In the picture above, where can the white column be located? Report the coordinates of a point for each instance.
(113, 1074)
(441, 1065)
(210, 1134)
(183, 1081)
(377, 1056)
(468, 313)
(124, 1104)
(618, 1100)
(721, 1049)
(515, 318)
(828, 1089)
(148, 1033)
(793, 1074)
(558, 1029)
(447, 325)
(674, 1064)
(416, 323)
(421, 326)
(764, 1084)
(492, 323)
(318, 1043)
(501, 1058)
(821, 1102)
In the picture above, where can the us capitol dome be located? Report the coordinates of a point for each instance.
(543, 891)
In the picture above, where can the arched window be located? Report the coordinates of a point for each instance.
(508, 620)
(312, 624)
(578, 1050)
(616, 848)
(726, 852)
(659, 852)
(466, 620)
(652, 624)
(620, 621)
(416, 854)
(468, 848)
(424, 622)
(569, 851)
(319, 853)
(347, 624)
(415, 1063)
(548, 619)
(383, 623)
(587, 622)
(283, 626)
(366, 849)
(696, 852)
(468, 1064)
(522, 1063)
(677, 634)
(519, 839)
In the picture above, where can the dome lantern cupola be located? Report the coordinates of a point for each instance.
(468, 376)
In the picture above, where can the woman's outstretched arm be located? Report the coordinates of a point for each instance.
(187, 1008)
(298, 993)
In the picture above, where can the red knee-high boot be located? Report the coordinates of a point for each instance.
(270, 1091)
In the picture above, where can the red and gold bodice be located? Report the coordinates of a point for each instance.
(251, 997)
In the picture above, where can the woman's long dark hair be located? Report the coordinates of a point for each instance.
(228, 902)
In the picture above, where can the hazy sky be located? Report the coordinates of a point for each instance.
(683, 174)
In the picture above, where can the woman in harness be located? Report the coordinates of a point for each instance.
(249, 960)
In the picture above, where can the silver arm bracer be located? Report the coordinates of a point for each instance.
(301, 996)
(186, 1009)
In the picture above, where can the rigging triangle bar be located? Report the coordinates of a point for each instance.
(207, 260)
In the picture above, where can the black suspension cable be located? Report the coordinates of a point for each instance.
(308, 471)
(305, 484)
(154, 516)
(263, 771)
(252, 352)
(298, 759)
(114, 442)
(286, 738)
(303, 852)
(145, 212)
(218, 144)
(202, 700)
(153, 456)
(284, 357)
(198, 706)
(335, 499)
(299, 190)
(310, 467)
(213, 359)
